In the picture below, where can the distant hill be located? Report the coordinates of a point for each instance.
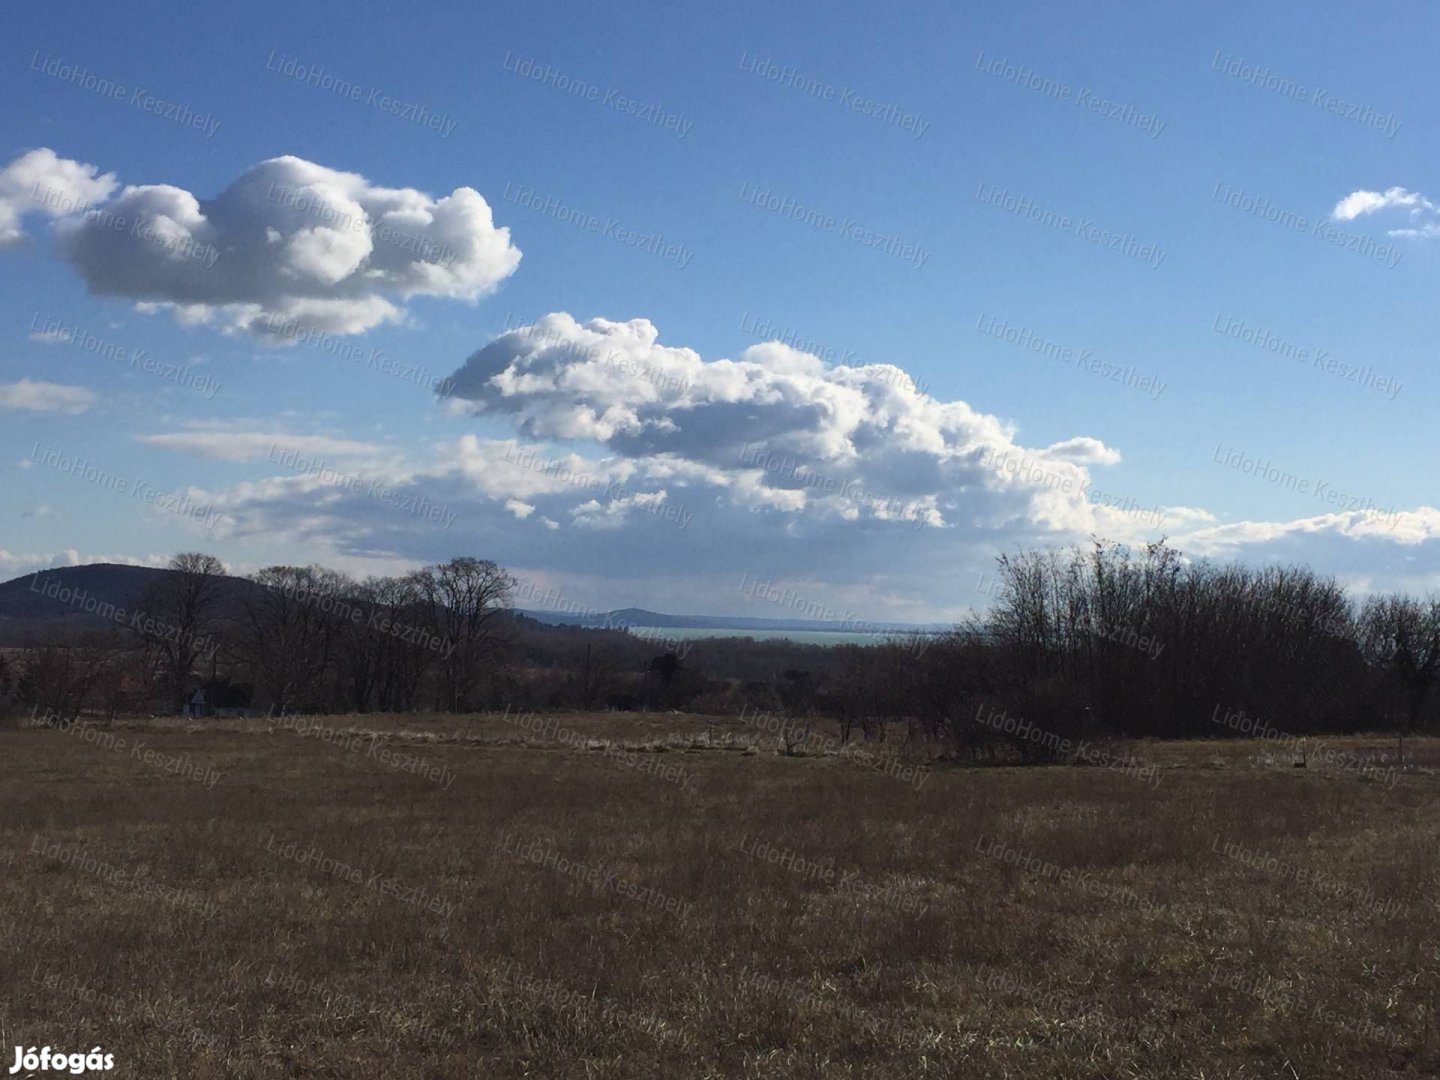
(66, 597)
(24, 597)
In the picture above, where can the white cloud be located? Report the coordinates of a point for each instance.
(1407, 528)
(259, 446)
(776, 430)
(1368, 202)
(632, 453)
(41, 182)
(289, 248)
(1426, 230)
(1424, 215)
(33, 396)
(1083, 451)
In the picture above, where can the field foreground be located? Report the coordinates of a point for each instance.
(670, 896)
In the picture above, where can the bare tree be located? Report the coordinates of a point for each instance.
(9, 686)
(382, 668)
(182, 613)
(289, 629)
(463, 601)
(1401, 636)
(63, 675)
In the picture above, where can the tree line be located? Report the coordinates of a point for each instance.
(1083, 642)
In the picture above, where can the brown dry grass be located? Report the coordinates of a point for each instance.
(921, 952)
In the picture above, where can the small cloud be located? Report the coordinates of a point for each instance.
(34, 396)
(1424, 215)
(1368, 202)
(227, 445)
(1082, 450)
(1428, 231)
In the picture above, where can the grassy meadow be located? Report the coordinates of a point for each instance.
(670, 896)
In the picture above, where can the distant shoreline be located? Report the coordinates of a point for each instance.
(802, 637)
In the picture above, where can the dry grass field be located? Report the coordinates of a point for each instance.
(481, 897)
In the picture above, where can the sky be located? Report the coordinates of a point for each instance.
(781, 313)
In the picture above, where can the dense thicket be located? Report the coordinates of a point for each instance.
(1108, 641)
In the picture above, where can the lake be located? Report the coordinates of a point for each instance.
(803, 637)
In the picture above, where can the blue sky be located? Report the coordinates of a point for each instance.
(633, 174)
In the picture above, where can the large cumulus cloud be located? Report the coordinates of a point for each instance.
(775, 428)
(290, 247)
(647, 463)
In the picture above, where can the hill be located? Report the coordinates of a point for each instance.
(67, 597)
